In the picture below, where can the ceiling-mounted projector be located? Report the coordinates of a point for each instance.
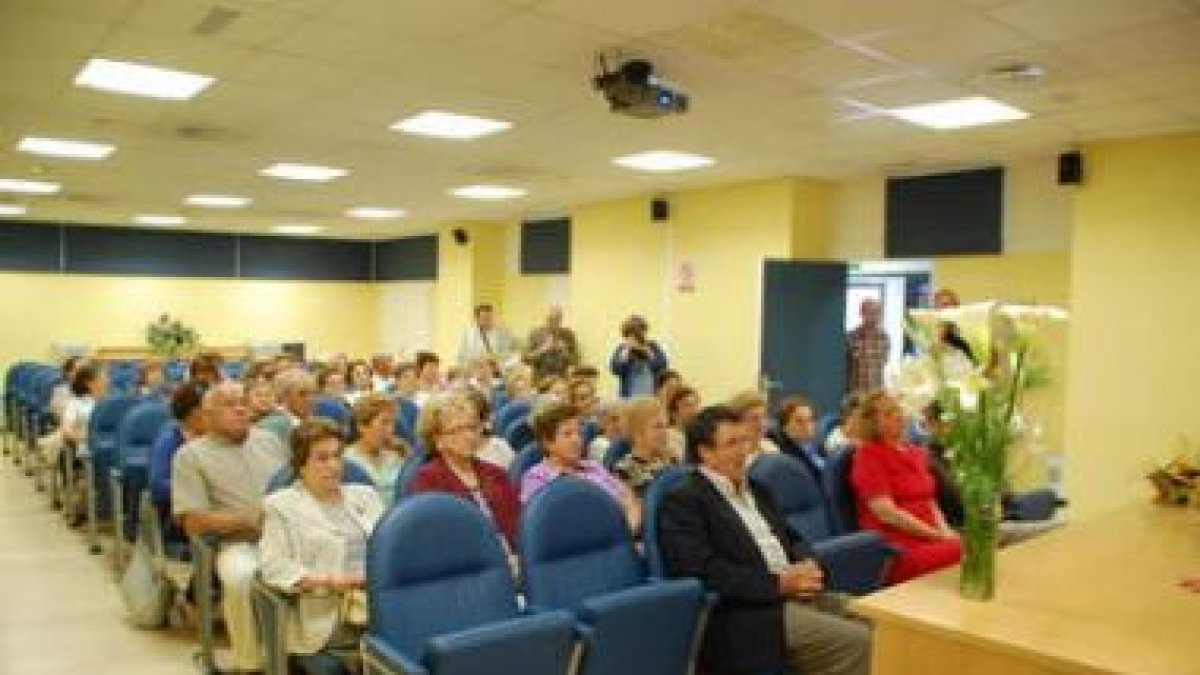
(633, 89)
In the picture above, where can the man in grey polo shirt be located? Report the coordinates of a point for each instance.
(217, 486)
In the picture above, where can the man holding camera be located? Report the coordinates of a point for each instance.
(637, 361)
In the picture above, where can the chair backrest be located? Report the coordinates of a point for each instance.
(519, 433)
(590, 429)
(509, 412)
(435, 566)
(840, 493)
(526, 459)
(233, 370)
(825, 426)
(616, 452)
(796, 493)
(408, 472)
(175, 370)
(105, 422)
(407, 413)
(352, 474)
(662, 485)
(123, 376)
(334, 409)
(139, 429)
(574, 543)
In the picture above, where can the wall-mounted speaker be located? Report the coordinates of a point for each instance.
(461, 237)
(660, 210)
(1070, 168)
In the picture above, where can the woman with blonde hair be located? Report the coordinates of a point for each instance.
(896, 492)
(649, 449)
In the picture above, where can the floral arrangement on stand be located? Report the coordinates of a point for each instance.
(169, 338)
(1177, 480)
(980, 395)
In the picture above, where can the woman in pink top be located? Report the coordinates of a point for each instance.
(895, 491)
(556, 426)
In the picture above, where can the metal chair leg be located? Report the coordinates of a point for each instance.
(203, 556)
(116, 495)
(93, 534)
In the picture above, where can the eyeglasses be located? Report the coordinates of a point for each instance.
(461, 428)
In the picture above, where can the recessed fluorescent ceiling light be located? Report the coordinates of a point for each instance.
(449, 125)
(141, 80)
(12, 210)
(663, 160)
(159, 220)
(308, 172)
(218, 201)
(375, 213)
(959, 113)
(28, 187)
(297, 229)
(488, 192)
(61, 147)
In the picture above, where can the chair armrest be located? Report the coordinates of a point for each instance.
(380, 657)
(856, 562)
(1033, 505)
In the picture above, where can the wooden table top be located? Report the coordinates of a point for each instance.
(1102, 594)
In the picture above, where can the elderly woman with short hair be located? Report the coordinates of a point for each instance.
(376, 448)
(295, 388)
(649, 447)
(895, 492)
(314, 544)
(556, 427)
(450, 428)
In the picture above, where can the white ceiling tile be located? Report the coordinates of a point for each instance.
(1065, 19)
(635, 18)
(232, 21)
(855, 18)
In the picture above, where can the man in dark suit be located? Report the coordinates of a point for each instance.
(727, 532)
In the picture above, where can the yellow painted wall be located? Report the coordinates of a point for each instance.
(1134, 365)
(454, 293)
(1025, 278)
(100, 311)
(623, 263)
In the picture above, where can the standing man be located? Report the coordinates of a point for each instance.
(217, 486)
(552, 348)
(485, 339)
(866, 350)
(772, 609)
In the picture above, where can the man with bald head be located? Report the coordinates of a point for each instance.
(217, 486)
(552, 349)
(866, 349)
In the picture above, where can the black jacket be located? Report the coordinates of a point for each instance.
(700, 535)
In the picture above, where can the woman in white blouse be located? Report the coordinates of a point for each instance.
(314, 545)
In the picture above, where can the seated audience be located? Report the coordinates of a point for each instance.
(584, 373)
(376, 448)
(449, 427)
(205, 369)
(649, 451)
(682, 407)
(152, 381)
(429, 377)
(773, 611)
(314, 544)
(190, 424)
(844, 435)
(518, 383)
(492, 448)
(752, 406)
(260, 396)
(611, 416)
(637, 360)
(331, 382)
(795, 433)
(406, 384)
(382, 374)
(87, 388)
(484, 376)
(553, 388)
(895, 493)
(360, 381)
(556, 427)
(295, 388)
(581, 393)
(217, 486)
(665, 385)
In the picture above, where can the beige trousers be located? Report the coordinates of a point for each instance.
(823, 640)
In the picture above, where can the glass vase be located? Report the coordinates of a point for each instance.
(980, 539)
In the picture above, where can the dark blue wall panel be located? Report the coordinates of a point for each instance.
(945, 214)
(119, 250)
(407, 259)
(546, 246)
(29, 247)
(309, 259)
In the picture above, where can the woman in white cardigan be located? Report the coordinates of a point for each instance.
(314, 545)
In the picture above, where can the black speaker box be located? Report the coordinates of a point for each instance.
(1070, 168)
(660, 210)
(460, 236)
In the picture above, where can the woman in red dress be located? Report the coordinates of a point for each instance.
(896, 495)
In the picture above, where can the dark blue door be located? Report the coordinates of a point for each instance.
(803, 331)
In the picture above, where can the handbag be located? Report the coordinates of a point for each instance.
(147, 593)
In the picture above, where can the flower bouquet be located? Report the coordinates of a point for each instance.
(976, 362)
(170, 339)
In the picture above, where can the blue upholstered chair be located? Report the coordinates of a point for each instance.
(407, 413)
(519, 433)
(129, 474)
(233, 370)
(104, 428)
(842, 507)
(508, 413)
(526, 459)
(442, 601)
(352, 474)
(855, 561)
(123, 377)
(577, 553)
(335, 410)
(662, 485)
(616, 452)
(408, 472)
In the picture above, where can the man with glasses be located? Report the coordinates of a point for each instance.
(772, 611)
(217, 486)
